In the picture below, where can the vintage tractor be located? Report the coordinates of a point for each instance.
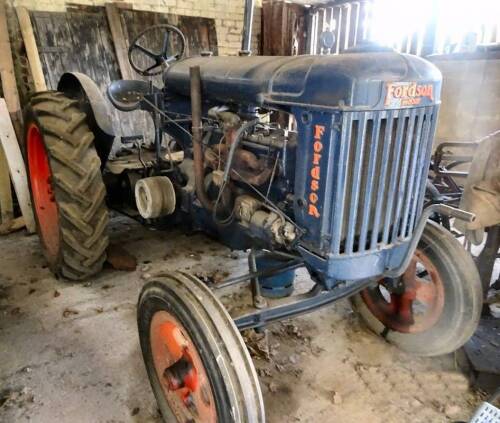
(339, 191)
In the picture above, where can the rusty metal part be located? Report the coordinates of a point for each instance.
(195, 79)
(415, 304)
(252, 169)
(267, 140)
(252, 178)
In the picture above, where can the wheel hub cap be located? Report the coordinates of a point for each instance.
(179, 368)
(417, 302)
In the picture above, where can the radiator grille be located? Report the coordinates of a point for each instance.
(380, 182)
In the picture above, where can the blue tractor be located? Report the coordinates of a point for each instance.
(338, 190)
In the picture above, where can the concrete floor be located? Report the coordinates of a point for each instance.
(70, 352)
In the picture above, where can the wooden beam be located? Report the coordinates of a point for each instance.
(31, 48)
(118, 36)
(12, 225)
(7, 74)
(16, 166)
(6, 204)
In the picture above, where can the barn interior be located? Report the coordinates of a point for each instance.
(310, 188)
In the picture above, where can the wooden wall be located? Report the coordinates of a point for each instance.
(284, 28)
(80, 40)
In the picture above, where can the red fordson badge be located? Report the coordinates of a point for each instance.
(404, 94)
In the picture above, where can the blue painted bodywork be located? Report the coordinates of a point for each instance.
(374, 156)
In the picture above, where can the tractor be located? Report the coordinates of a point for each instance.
(315, 162)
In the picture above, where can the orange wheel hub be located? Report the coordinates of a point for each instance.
(416, 304)
(181, 373)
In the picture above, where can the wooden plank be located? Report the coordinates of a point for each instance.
(7, 74)
(118, 36)
(12, 225)
(6, 205)
(15, 162)
(283, 28)
(31, 48)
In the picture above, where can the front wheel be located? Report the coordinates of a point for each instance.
(196, 360)
(435, 306)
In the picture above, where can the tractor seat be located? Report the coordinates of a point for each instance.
(126, 95)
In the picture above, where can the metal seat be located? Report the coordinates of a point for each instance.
(126, 95)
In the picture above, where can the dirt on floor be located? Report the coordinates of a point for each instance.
(69, 352)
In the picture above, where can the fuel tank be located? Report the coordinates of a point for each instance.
(347, 81)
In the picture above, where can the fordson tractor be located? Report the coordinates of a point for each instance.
(339, 191)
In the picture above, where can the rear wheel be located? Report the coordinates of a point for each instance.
(197, 362)
(434, 307)
(67, 191)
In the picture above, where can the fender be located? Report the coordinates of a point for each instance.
(80, 87)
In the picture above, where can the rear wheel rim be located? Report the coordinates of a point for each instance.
(179, 368)
(42, 191)
(417, 305)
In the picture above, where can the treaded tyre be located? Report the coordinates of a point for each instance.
(197, 363)
(436, 307)
(67, 191)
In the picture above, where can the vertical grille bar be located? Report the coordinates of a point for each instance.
(410, 194)
(353, 207)
(394, 172)
(340, 189)
(401, 191)
(370, 180)
(425, 161)
(381, 182)
(422, 167)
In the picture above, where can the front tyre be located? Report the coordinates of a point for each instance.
(435, 306)
(67, 190)
(196, 360)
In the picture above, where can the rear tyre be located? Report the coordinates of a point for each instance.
(67, 191)
(196, 360)
(438, 305)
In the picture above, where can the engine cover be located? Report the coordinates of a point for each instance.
(351, 80)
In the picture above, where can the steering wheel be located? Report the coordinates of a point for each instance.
(154, 61)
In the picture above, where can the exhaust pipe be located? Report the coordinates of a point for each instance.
(246, 42)
(199, 170)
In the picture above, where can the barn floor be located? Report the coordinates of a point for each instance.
(70, 352)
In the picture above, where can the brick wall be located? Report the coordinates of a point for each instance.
(228, 15)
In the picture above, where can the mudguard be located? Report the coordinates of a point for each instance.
(481, 194)
(80, 87)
